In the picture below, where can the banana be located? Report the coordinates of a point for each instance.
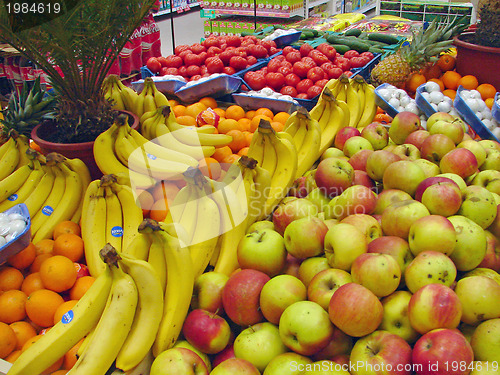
(114, 220)
(270, 158)
(156, 258)
(341, 93)
(85, 342)
(149, 126)
(143, 368)
(80, 168)
(357, 84)
(189, 136)
(184, 210)
(149, 99)
(370, 107)
(37, 193)
(10, 159)
(352, 99)
(256, 148)
(139, 247)
(308, 151)
(23, 144)
(13, 182)
(147, 316)
(113, 94)
(29, 185)
(77, 323)
(113, 327)
(227, 261)
(68, 204)
(5, 146)
(339, 118)
(148, 115)
(159, 97)
(139, 102)
(129, 96)
(317, 111)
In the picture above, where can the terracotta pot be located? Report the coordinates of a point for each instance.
(83, 151)
(482, 62)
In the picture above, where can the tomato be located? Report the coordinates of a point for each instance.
(266, 44)
(203, 56)
(367, 54)
(154, 65)
(251, 60)
(305, 49)
(302, 95)
(318, 57)
(280, 58)
(238, 63)
(169, 71)
(197, 48)
(214, 65)
(292, 79)
(253, 38)
(183, 71)
(180, 48)
(192, 59)
(213, 51)
(209, 42)
(326, 66)
(241, 51)
(203, 70)
(304, 85)
(233, 40)
(255, 80)
(273, 65)
(287, 50)
(247, 43)
(315, 74)
(173, 61)
(300, 68)
(258, 51)
(162, 60)
(309, 62)
(193, 70)
(275, 80)
(351, 53)
(343, 63)
(328, 50)
(288, 90)
(285, 70)
(358, 62)
(335, 73)
(195, 78)
(348, 73)
(273, 51)
(321, 83)
(184, 53)
(229, 70)
(314, 91)
(293, 57)
(226, 56)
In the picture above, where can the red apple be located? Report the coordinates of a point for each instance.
(362, 178)
(397, 247)
(492, 258)
(234, 366)
(459, 161)
(304, 238)
(428, 182)
(402, 125)
(435, 146)
(343, 135)
(226, 353)
(290, 210)
(206, 331)
(179, 361)
(376, 134)
(377, 163)
(207, 291)
(417, 138)
(358, 160)
(333, 176)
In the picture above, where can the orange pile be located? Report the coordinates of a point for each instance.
(37, 287)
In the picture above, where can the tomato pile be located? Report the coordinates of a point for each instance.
(304, 72)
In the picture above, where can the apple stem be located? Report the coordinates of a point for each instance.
(261, 237)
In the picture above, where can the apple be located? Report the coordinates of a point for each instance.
(489, 144)
(207, 291)
(430, 169)
(240, 296)
(262, 250)
(355, 310)
(451, 129)
(310, 267)
(429, 181)
(485, 341)
(404, 175)
(430, 267)
(478, 204)
(332, 152)
(389, 196)
(438, 116)
(343, 135)
(442, 198)
(288, 363)
(366, 224)
(402, 125)
(318, 198)
(340, 344)
(262, 224)
(435, 146)
(279, 293)
(397, 247)
(487, 272)
(458, 180)
(334, 175)
(479, 296)
(305, 327)
(433, 232)
(355, 144)
(341, 253)
(488, 179)
(492, 161)
(381, 350)
(395, 319)
(484, 368)
(179, 361)
(233, 366)
(259, 344)
(442, 352)
(291, 210)
(356, 199)
(459, 161)
(417, 138)
(492, 258)
(292, 265)
(362, 178)
(470, 247)
(390, 146)
(376, 134)
(304, 238)
(325, 283)
(358, 160)
(206, 331)
(377, 163)
(380, 273)
(398, 218)
(407, 151)
(224, 355)
(185, 344)
(476, 148)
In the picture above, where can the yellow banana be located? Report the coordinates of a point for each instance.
(148, 115)
(270, 158)
(139, 103)
(10, 159)
(353, 101)
(38, 193)
(156, 258)
(129, 96)
(23, 145)
(117, 99)
(149, 99)
(339, 118)
(190, 136)
(227, 262)
(309, 145)
(139, 247)
(160, 98)
(5, 146)
(256, 149)
(13, 182)
(29, 185)
(114, 220)
(80, 168)
(370, 107)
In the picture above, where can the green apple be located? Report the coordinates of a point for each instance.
(377, 134)
(489, 144)
(430, 267)
(478, 204)
(389, 196)
(262, 224)
(485, 368)
(288, 363)
(476, 149)
(407, 151)
(479, 271)
(332, 152)
(203, 356)
(479, 296)
(455, 177)
(451, 129)
(470, 247)
(317, 197)
(356, 199)
(380, 273)
(378, 161)
(402, 125)
(394, 246)
(488, 179)
(366, 224)
(395, 319)
(304, 238)
(259, 344)
(438, 116)
(398, 218)
(492, 161)
(404, 175)
(355, 144)
(310, 267)
(430, 169)
(325, 283)
(485, 341)
(433, 232)
(207, 291)
(341, 253)
(178, 361)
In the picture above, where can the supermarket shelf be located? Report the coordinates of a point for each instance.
(250, 12)
(314, 3)
(366, 8)
(178, 9)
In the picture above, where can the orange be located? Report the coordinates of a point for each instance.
(23, 331)
(227, 125)
(194, 109)
(489, 102)
(281, 117)
(210, 168)
(209, 102)
(70, 357)
(277, 126)
(235, 112)
(439, 82)
(66, 227)
(469, 82)
(250, 114)
(35, 266)
(31, 283)
(58, 273)
(42, 305)
(81, 286)
(486, 90)
(239, 140)
(164, 190)
(45, 246)
(221, 152)
(446, 62)
(231, 159)
(63, 309)
(414, 81)
(12, 306)
(264, 111)
(7, 340)
(172, 102)
(11, 358)
(69, 245)
(31, 341)
(10, 278)
(144, 200)
(256, 120)
(59, 372)
(243, 151)
(450, 93)
(432, 71)
(450, 79)
(179, 110)
(159, 210)
(249, 137)
(220, 112)
(186, 120)
(24, 258)
(35, 146)
(207, 117)
(245, 124)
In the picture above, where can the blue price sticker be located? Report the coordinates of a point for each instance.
(47, 210)
(150, 156)
(68, 317)
(12, 198)
(117, 231)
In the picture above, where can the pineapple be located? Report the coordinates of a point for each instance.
(425, 46)
(488, 29)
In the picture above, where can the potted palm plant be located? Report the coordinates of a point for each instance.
(75, 44)
(478, 52)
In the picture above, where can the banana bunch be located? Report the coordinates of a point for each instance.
(109, 215)
(121, 96)
(306, 134)
(118, 316)
(332, 115)
(13, 153)
(276, 153)
(149, 99)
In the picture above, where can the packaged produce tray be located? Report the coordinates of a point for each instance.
(22, 240)
(166, 85)
(384, 104)
(422, 103)
(287, 39)
(253, 102)
(216, 87)
(495, 110)
(470, 117)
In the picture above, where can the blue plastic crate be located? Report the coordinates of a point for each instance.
(22, 240)
(422, 103)
(215, 87)
(384, 104)
(495, 110)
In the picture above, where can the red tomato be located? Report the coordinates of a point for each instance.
(351, 53)
(173, 61)
(197, 48)
(328, 50)
(213, 51)
(203, 70)
(285, 70)
(162, 60)
(253, 38)
(273, 65)
(321, 83)
(183, 71)
(255, 80)
(169, 71)
(302, 95)
(293, 57)
(304, 85)
(275, 81)
(184, 53)
(280, 58)
(315, 74)
(229, 70)
(300, 68)
(266, 44)
(247, 43)
(326, 66)
(210, 42)
(314, 91)
(193, 70)
(343, 63)
(288, 90)
(214, 65)
(192, 59)
(367, 54)
(318, 57)
(348, 73)
(195, 78)
(238, 63)
(226, 56)
(233, 40)
(258, 51)
(180, 48)
(203, 56)
(241, 51)
(309, 62)
(251, 60)
(335, 73)
(81, 270)
(154, 65)
(287, 50)
(292, 79)
(305, 49)
(358, 62)
(274, 50)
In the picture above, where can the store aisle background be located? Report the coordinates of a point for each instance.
(188, 29)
